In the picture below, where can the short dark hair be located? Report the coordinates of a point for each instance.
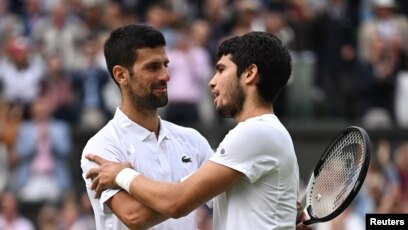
(268, 53)
(121, 46)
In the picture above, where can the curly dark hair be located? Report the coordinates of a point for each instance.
(268, 53)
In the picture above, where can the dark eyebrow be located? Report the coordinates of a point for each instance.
(157, 62)
(219, 66)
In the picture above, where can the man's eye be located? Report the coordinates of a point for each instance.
(153, 67)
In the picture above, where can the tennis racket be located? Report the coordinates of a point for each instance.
(338, 176)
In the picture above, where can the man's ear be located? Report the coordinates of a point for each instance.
(120, 74)
(251, 75)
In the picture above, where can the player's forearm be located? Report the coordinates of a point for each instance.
(132, 213)
(169, 199)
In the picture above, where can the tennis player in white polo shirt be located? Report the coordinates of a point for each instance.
(137, 61)
(253, 177)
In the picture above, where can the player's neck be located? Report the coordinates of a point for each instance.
(147, 119)
(253, 109)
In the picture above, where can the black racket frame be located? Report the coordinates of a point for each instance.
(360, 180)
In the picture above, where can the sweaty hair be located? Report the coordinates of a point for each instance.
(268, 53)
(121, 46)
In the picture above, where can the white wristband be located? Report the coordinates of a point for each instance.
(125, 177)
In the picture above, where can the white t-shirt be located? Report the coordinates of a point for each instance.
(262, 149)
(21, 85)
(176, 153)
(19, 223)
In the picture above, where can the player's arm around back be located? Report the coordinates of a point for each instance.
(178, 199)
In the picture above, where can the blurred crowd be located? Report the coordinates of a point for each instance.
(350, 62)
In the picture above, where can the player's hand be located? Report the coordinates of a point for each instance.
(103, 177)
(300, 218)
(300, 225)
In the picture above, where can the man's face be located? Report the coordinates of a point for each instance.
(148, 79)
(226, 88)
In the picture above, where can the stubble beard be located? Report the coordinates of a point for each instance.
(149, 102)
(236, 97)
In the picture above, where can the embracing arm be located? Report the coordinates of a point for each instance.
(132, 213)
(171, 199)
(179, 199)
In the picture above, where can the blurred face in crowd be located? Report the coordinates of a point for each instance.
(54, 64)
(18, 51)
(383, 12)
(147, 80)
(3, 6)
(225, 86)
(41, 109)
(8, 205)
(59, 13)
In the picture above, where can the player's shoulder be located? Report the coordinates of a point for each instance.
(106, 143)
(267, 126)
(107, 135)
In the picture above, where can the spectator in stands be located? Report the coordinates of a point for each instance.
(43, 145)
(383, 40)
(381, 189)
(10, 120)
(47, 217)
(33, 13)
(114, 16)
(21, 72)
(401, 159)
(218, 15)
(69, 212)
(10, 24)
(85, 220)
(247, 16)
(58, 86)
(4, 167)
(59, 31)
(91, 15)
(335, 48)
(4, 153)
(190, 69)
(161, 16)
(91, 76)
(401, 96)
(10, 218)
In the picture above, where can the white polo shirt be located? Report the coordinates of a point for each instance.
(176, 153)
(262, 149)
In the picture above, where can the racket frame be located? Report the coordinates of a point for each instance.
(305, 203)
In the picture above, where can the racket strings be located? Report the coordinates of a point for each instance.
(338, 174)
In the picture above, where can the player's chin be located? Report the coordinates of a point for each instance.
(159, 100)
(224, 112)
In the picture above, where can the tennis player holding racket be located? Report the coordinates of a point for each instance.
(253, 177)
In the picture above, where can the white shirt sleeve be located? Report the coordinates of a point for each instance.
(98, 148)
(248, 148)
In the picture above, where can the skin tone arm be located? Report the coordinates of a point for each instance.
(131, 212)
(171, 199)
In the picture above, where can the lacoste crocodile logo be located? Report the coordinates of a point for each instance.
(186, 159)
